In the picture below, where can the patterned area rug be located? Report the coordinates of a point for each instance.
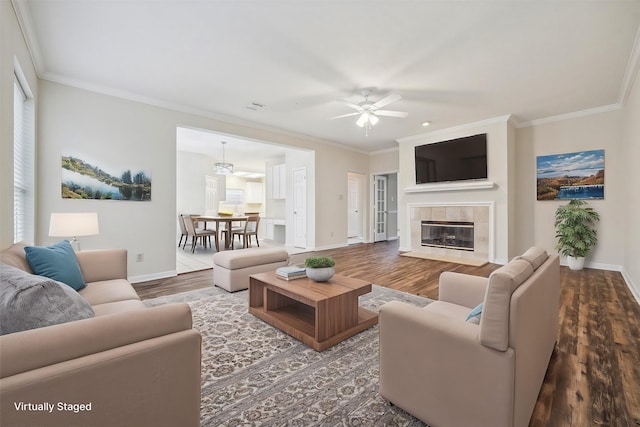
(254, 374)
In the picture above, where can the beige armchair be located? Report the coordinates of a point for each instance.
(448, 371)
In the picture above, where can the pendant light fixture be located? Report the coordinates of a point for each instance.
(223, 168)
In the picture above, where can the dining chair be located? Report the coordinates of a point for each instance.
(199, 233)
(183, 230)
(250, 229)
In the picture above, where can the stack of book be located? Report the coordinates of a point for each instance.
(291, 272)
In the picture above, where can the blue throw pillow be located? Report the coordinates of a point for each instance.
(57, 262)
(476, 312)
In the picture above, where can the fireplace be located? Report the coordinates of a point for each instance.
(448, 234)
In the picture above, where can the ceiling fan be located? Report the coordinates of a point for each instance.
(369, 111)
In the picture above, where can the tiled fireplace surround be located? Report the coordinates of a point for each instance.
(480, 213)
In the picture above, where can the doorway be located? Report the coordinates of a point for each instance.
(300, 208)
(385, 207)
(380, 208)
(355, 219)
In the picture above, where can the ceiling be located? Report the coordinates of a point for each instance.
(452, 62)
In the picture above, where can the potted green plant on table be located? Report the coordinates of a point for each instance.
(575, 232)
(320, 268)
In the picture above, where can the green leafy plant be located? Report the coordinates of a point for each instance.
(319, 262)
(575, 230)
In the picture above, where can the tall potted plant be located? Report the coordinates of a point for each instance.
(575, 231)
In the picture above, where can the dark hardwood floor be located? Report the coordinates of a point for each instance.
(594, 374)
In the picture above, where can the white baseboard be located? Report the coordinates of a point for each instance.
(633, 287)
(327, 247)
(154, 276)
(596, 265)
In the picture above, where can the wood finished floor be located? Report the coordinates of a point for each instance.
(594, 373)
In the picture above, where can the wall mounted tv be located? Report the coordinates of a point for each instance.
(454, 160)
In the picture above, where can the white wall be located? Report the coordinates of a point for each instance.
(384, 161)
(631, 185)
(114, 128)
(191, 172)
(498, 143)
(535, 218)
(12, 47)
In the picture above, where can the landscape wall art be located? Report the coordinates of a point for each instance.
(82, 180)
(578, 175)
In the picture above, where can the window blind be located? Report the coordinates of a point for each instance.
(23, 165)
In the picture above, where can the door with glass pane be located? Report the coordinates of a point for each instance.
(380, 208)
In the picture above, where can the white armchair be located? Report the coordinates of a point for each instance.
(447, 371)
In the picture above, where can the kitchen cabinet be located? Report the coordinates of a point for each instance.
(274, 229)
(254, 192)
(278, 181)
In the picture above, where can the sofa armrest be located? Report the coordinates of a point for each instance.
(462, 289)
(37, 348)
(433, 367)
(103, 264)
(154, 382)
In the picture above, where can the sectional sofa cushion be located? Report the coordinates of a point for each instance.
(494, 323)
(57, 262)
(536, 256)
(28, 301)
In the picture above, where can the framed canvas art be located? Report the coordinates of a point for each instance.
(578, 175)
(82, 180)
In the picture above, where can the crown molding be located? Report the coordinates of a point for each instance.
(631, 72)
(496, 120)
(28, 33)
(130, 96)
(384, 151)
(572, 115)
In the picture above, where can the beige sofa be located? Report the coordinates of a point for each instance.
(448, 371)
(129, 365)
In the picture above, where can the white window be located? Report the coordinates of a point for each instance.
(23, 163)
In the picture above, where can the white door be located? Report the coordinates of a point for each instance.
(211, 196)
(354, 208)
(380, 208)
(300, 208)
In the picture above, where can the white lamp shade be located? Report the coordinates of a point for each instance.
(72, 224)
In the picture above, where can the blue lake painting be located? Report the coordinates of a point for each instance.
(578, 175)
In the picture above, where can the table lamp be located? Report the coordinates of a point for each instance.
(73, 224)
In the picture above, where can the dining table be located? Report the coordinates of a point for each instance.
(227, 220)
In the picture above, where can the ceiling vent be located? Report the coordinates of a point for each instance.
(255, 106)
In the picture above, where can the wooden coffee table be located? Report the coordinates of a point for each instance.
(318, 314)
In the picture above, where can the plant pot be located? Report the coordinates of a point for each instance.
(575, 263)
(321, 274)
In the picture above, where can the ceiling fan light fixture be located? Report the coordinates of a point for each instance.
(373, 119)
(363, 119)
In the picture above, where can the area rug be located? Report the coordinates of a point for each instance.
(255, 375)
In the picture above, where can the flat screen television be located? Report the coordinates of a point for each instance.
(454, 160)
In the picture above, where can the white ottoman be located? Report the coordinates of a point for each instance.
(231, 269)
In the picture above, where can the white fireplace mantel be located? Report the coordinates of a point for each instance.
(451, 186)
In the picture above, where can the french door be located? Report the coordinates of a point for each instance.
(380, 208)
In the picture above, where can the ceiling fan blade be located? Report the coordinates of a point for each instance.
(350, 104)
(386, 101)
(390, 113)
(344, 115)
